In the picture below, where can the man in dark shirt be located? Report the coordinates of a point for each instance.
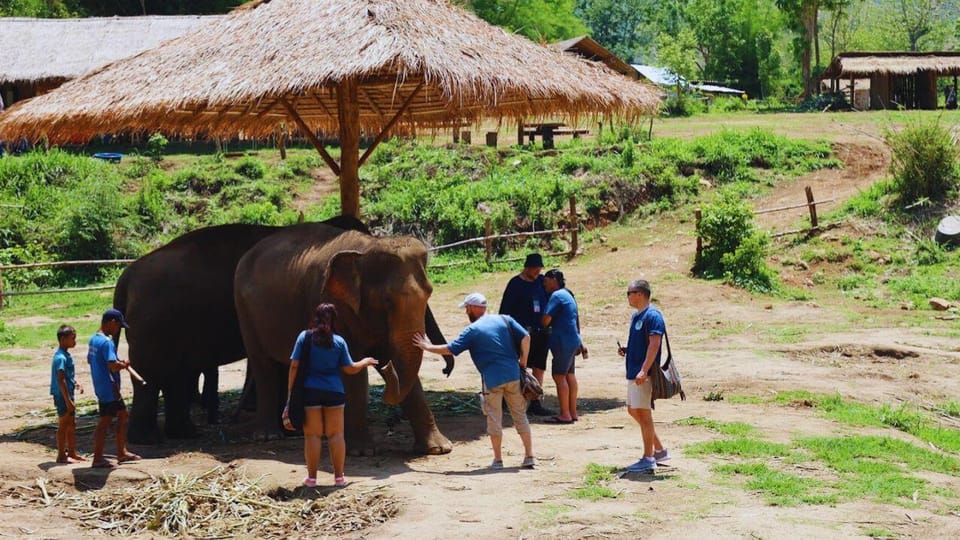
(524, 299)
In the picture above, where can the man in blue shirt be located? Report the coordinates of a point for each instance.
(642, 354)
(105, 369)
(490, 340)
(525, 300)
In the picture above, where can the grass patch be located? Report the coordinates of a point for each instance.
(734, 429)
(746, 400)
(596, 483)
(882, 534)
(789, 334)
(741, 446)
(779, 488)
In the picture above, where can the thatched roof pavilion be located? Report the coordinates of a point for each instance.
(337, 67)
(904, 79)
(41, 54)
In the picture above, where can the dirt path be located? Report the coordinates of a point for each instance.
(720, 334)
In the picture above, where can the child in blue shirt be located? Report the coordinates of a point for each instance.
(63, 382)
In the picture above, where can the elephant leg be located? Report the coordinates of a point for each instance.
(356, 426)
(176, 402)
(143, 428)
(210, 398)
(427, 438)
(271, 395)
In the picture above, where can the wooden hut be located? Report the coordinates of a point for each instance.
(896, 79)
(39, 55)
(586, 47)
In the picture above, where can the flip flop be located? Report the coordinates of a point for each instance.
(557, 420)
(128, 457)
(102, 465)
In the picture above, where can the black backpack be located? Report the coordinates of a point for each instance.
(296, 410)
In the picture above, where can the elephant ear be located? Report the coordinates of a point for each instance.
(342, 281)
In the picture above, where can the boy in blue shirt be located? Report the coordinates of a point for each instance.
(63, 382)
(105, 369)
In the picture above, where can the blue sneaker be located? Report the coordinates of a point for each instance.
(661, 455)
(645, 465)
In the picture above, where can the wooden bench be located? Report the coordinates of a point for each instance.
(547, 134)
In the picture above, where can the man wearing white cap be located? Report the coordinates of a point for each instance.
(489, 338)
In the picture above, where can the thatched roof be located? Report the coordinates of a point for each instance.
(233, 75)
(588, 48)
(864, 64)
(56, 50)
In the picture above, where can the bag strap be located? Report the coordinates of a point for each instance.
(666, 364)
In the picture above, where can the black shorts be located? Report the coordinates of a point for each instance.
(537, 357)
(111, 408)
(323, 398)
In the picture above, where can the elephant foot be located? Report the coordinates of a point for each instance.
(434, 444)
(361, 446)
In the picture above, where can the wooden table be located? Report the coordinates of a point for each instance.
(545, 130)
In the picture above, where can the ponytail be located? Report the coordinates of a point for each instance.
(324, 321)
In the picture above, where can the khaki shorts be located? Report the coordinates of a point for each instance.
(509, 392)
(639, 395)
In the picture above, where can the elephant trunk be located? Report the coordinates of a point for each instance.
(407, 358)
(436, 337)
(391, 386)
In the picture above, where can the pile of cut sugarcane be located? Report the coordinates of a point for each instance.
(224, 502)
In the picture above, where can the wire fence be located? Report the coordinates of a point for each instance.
(487, 240)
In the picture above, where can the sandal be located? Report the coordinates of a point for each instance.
(102, 465)
(128, 457)
(558, 420)
(310, 482)
(339, 482)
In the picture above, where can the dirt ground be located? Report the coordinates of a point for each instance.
(722, 339)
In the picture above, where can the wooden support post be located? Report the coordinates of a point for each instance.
(283, 142)
(492, 139)
(488, 241)
(698, 257)
(349, 113)
(456, 134)
(813, 207)
(520, 132)
(465, 137)
(574, 226)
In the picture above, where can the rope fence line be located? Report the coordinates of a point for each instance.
(487, 240)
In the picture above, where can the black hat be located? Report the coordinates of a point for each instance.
(534, 260)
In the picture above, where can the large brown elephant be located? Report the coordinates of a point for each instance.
(380, 289)
(179, 301)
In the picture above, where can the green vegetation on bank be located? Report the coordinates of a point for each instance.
(65, 206)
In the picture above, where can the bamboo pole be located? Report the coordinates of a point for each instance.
(497, 236)
(65, 263)
(791, 207)
(574, 225)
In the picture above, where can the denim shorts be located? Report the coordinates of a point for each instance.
(313, 398)
(111, 408)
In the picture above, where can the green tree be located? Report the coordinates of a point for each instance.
(539, 20)
(37, 8)
(679, 54)
(803, 16)
(616, 24)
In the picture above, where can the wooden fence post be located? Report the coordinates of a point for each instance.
(488, 241)
(813, 207)
(1, 289)
(699, 255)
(520, 132)
(574, 225)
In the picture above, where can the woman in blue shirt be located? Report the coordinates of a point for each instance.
(323, 393)
(561, 317)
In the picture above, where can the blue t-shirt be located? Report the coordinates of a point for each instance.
(562, 309)
(642, 324)
(62, 361)
(323, 370)
(491, 347)
(106, 384)
(525, 301)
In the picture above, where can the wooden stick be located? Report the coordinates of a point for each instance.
(136, 376)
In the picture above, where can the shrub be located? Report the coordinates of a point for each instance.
(734, 250)
(924, 162)
(250, 167)
(156, 144)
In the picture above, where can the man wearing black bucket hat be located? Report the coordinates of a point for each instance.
(524, 299)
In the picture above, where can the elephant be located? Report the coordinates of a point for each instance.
(380, 289)
(178, 300)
